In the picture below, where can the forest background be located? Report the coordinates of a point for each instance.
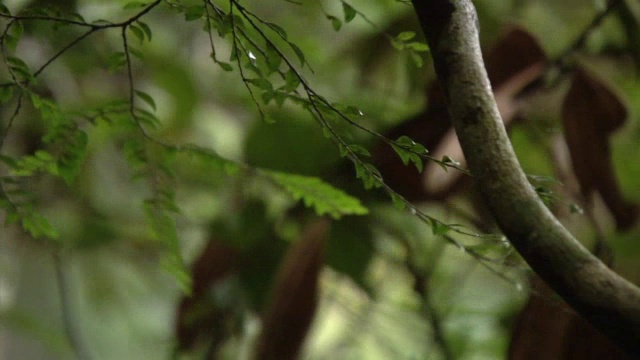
(145, 159)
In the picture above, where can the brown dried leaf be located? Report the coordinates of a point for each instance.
(516, 51)
(590, 113)
(195, 317)
(538, 332)
(547, 328)
(290, 312)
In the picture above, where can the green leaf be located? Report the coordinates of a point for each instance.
(353, 148)
(273, 58)
(335, 22)
(77, 17)
(267, 96)
(317, 194)
(174, 265)
(12, 37)
(326, 132)
(349, 12)
(439, 228)
(4, 10)
(137, 31)
(136, 156)
(261, 83)
(20, 69)
(223, 25)
(211, 158)
(71, 160)
(236, 20)
(402, 153)
(12, 216)
(278, 29)
(291, 80)
(145, 117)
(398, 202)
(6, 93)
(38, 226)
(225, 66)
(134, 5)
(146, 98)
(40, 161)
(136, 52)
(369, 174)
(279, 97)
(409, 151)
(145, 28)
(163, 228)
(348, 110)
(398, 45)
(418, 46)
(406, 36)
(483, 248)
(298, 52)
(116, 61)
(194, 12)
(416, 58)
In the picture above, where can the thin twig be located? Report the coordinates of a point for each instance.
(124, 23)
(561, 62)
(586, 32)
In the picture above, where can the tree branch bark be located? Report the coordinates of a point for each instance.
(608, 301)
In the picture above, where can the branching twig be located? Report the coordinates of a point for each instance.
(93, 26)
(585, 33)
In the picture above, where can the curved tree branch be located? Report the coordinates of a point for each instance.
(608, 301)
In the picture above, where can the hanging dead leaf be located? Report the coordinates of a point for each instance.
(547, 328)
(591, 112)
(290, 312)
(196, 316)
(539, 329)
(516, 51)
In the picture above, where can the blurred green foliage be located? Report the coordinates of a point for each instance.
(123, 192)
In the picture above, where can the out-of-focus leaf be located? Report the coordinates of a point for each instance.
(279, 30)
(298, 52)
(291, 81)
(335, 22)
(590, 113)
(516, 51)
(547, 328)
(349, 12)
(146, 98)
(294, 299)
(196, 315)
(515, 62)
(350, 247)
(194, 12)
(291, 145)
